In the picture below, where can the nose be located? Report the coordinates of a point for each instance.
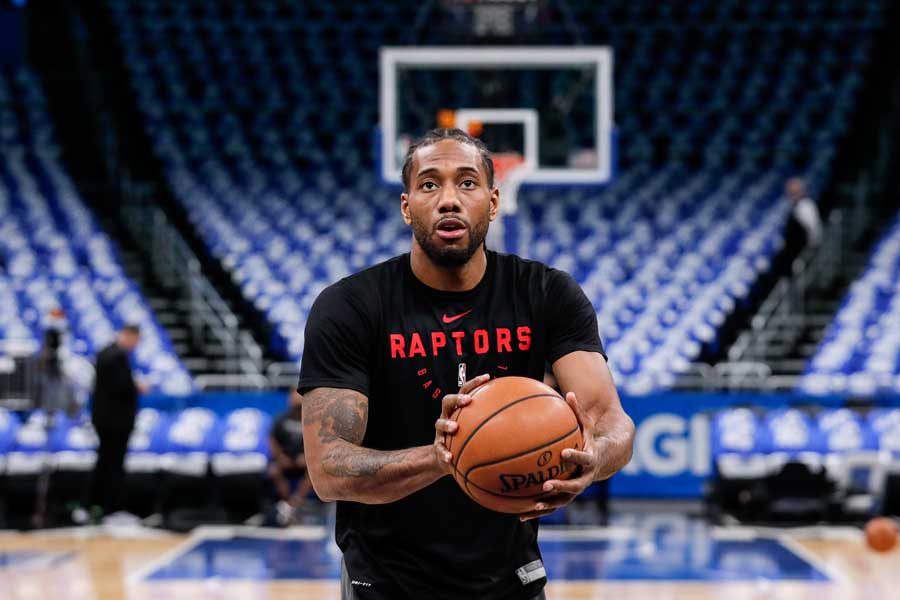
(449, 200)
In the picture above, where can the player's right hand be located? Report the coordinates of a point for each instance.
(445, 425)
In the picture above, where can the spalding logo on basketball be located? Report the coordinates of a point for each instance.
(511, 482)
(510, 441)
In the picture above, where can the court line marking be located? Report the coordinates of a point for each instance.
(313, 532)
(788, 539)
(835, 574)
(37, 559)
(812, 532)
(224, 532)
(296, 532)
(85, 532)
(564, 534)
(140, 574)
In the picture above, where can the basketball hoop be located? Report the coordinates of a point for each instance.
(510, 170)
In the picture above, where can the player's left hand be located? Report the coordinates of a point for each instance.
(587, 462)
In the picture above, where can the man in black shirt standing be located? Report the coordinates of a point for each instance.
(113, 410)
(393, 350)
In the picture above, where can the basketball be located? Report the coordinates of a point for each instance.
(881, 534)
(509, 442)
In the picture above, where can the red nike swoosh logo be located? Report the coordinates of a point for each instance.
(447, 319)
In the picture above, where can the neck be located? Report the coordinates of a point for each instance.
(448, 279)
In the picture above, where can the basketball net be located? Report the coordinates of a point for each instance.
(510, 170)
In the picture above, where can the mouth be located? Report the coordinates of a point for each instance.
(450, 228)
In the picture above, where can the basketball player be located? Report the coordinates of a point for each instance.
(393, 350)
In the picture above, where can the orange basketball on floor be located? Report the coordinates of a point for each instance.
(881, 534)
(509, 442)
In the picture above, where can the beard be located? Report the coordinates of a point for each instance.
(449, 256)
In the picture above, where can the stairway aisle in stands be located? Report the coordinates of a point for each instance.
(85, 106)
(866, 189)
(792, 350)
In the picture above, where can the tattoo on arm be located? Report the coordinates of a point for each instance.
(342, 416)
(348, 461)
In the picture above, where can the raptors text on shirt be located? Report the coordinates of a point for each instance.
(479, 341)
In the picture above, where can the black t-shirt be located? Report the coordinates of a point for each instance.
(115, 398)
(385, 334)
(288, 433)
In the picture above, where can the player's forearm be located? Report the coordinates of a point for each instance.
(350, 472)
(341, 468)
(614, 436)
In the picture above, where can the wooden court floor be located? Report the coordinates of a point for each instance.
(92, 564)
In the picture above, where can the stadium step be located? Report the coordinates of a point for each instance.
(171, 309)
(204, 365)
(818, 320)
(166, 318)
(159, 304)
(177, 334)
(823, 306)
(112, 171)
(807, 350)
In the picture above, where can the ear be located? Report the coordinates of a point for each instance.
(404, 208)
(495, 203)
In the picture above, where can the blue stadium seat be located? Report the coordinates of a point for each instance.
(239, 462)
(794, 437)
(9, 427)
(31, 452)
(243, 444)
(739, 445)
(190, 437)
(53, 253)
(148, 442)
(860, 353)
(247, 106)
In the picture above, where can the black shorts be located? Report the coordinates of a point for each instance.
(348, 592)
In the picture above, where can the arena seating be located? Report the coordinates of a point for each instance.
(860, 353)
(53, 254)
(238, 461)
(9, 426)
(214, 458)
(830, 461)
(262, 115)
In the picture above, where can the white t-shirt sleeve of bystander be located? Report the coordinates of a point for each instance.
(807, 214)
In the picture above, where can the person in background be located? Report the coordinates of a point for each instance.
(53, 393)
(115, 402)
(804, 227)
(52, 390)
(288, 461)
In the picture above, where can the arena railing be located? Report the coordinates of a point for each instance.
(734, 376)
(237, 381)
(283, 375)
(783, 315)
(175, 265)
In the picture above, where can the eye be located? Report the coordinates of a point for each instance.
(428, 186)
(468, 184)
